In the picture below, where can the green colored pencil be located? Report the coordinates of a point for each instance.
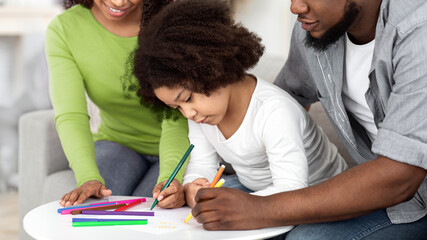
(190, 148)
(109, 223)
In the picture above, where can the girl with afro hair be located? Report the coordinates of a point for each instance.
(87, 47)
(193, 57)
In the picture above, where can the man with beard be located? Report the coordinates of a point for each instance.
(365, 61)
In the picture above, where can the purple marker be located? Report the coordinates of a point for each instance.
(104, 220)
(93, 212)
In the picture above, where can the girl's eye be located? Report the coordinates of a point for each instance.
(188, 99)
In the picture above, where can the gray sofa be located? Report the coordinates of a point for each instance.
(43, 167)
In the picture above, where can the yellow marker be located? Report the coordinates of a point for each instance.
(218, 184)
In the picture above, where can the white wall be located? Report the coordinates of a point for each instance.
(271, 20)
(6, 59)
(23, 74)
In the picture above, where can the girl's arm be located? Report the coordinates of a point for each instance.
(204, 160)
(282, 134)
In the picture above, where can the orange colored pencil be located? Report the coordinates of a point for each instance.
(213, 183)
(218, 184)
(217, 176)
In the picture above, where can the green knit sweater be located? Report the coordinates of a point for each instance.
(85, 57)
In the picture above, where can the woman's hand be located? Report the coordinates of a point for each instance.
(171, 197)
(87, 189)
(192, 188)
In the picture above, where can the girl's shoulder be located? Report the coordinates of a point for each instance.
(270, 100)
(270, 95)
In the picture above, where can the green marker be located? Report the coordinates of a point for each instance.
(109, 223)
(190, 148)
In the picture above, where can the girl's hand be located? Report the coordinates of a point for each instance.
(171, 197)
(87, 189)
(192, 188)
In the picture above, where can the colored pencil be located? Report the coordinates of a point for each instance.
(123, 201)
(105, 219)
(69, 211)
(219, 184)
(94, 212)
(83, 206)
(108, 223)
(178, 167)
(114, 206)
(132, 204)
(217, 176)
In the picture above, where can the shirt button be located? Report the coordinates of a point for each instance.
(380, 124)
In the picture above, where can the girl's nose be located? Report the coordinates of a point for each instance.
(188, 112)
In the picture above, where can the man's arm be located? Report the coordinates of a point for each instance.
(374, 185)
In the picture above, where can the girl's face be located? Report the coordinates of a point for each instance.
(195, 106)
(117, 10)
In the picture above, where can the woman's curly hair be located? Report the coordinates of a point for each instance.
(69, 3)
(194, 44)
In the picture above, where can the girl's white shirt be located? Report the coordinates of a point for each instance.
(277, 148)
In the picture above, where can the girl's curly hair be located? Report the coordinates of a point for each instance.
(194, 44)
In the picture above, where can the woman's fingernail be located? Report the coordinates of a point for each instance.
(160, 198)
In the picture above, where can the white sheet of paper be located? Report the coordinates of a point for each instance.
(164, 220)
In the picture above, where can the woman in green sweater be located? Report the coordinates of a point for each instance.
(87, 48)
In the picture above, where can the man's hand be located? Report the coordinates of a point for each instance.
(370, 186)
(228, 208)
(192, 188)
(88, 189)
(171, 197)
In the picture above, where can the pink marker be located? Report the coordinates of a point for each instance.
(123, 201)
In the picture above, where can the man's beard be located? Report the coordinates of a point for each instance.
(334, 33)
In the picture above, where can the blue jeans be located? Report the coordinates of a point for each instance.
(232, 181)
(125, 171)
(375, 225)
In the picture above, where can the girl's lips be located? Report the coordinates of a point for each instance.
(203, 120)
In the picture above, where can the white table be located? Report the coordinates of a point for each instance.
(45, 222)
